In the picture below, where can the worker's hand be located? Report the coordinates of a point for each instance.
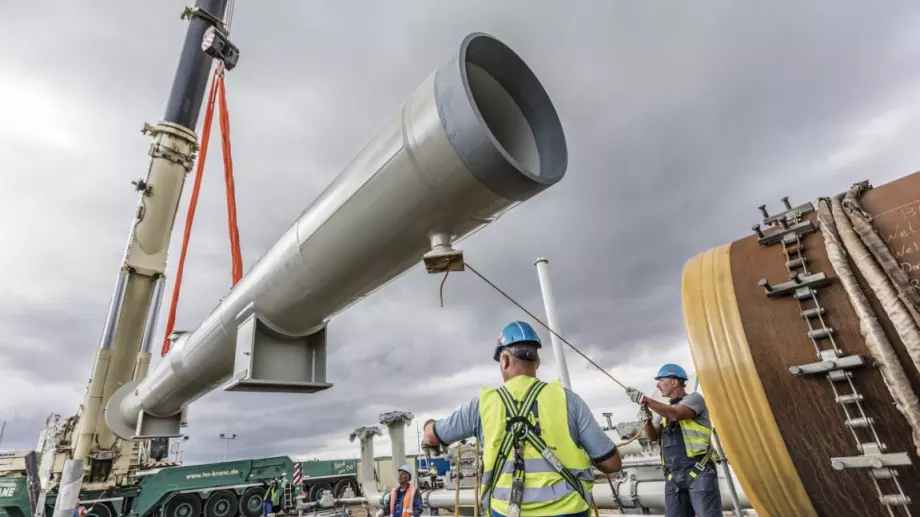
(431, 450)
(427, 447)
(636, 396)
(645, 413)
(379, 513)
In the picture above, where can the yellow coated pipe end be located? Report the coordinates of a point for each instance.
(734, 393)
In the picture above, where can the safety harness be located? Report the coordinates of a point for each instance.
(698, 467)
(518, 431)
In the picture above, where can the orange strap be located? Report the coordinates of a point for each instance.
(217, 87)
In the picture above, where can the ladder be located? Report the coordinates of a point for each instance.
(287, 500)
(476, 483)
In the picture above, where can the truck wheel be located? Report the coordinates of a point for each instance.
(341, 485)
(251, 502)
(222, 503)
(316, 491)
(99, 510)
(184, 505)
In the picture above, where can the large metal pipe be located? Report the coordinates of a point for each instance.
(477, 137)
(632, 493)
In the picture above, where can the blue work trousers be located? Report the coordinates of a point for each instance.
(702, 499)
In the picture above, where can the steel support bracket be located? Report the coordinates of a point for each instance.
(799, 281)
(442, 258)
(794, 214)
(871, 461)
(829, 365)
(801, 228)
(270, 359)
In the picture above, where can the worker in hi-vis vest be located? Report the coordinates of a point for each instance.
(404, 500)
(271, 498)
(539, 440)
(684, 432)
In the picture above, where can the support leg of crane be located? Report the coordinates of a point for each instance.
(270, 359)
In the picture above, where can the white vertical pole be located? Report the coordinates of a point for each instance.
(553, 321)
(69, 492)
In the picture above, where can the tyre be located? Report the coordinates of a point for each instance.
(251, 502)
(99, 510)
(183, 505)
(339, 488)
(222, 503)
(316, 491)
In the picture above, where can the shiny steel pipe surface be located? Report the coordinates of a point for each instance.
(478, 136)
(648, 495)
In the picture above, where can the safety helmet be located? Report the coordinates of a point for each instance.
(516, 332)
(671, 371)
(405, 468)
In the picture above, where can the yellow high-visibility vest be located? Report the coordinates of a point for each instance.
(545, 491)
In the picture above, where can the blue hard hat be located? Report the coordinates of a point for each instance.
(516, 332)
(671, 370)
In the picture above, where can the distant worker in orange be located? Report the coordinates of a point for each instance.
(404, 500)
(684, 432)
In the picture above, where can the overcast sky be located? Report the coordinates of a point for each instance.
(680, 120)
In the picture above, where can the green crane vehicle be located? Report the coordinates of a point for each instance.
(225, 489)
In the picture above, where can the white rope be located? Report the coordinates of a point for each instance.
(835, 226)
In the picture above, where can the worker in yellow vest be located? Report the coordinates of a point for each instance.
(684, 431)
(403, 501)
(271, 498)
(543, 466)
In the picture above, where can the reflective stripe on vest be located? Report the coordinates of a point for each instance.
(406, 503)
(538, 465)
(697, 438)
(545, 491)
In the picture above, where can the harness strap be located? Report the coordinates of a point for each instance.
(520, 428)
(695, 471)
(508, 442)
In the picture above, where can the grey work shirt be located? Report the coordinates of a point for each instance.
(583, 428)
(695, 402)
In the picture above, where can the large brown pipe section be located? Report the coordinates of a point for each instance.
(785, 429)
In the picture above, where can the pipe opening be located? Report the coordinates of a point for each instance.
(513, 105)
(500, 120)
(504, 117)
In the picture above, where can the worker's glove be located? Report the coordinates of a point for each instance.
(636, 396)
(645, 413)
(431, 450)
(427, 448)
(379, 513)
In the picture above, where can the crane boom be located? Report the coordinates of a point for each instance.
(124, 349)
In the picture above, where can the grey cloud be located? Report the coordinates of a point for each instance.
(680, 121)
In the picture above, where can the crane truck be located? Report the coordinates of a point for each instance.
(478, 137)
